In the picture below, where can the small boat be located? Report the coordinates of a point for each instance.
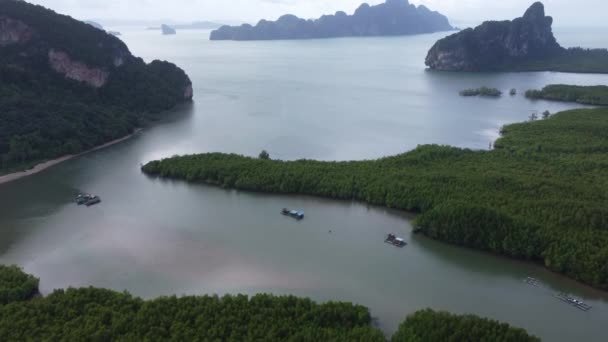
(579, 304)
(83, 198)
(395, 241)
(298, 215)
(92, 201)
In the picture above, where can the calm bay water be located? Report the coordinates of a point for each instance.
(335, 99)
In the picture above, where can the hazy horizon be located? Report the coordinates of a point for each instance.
(460, 12)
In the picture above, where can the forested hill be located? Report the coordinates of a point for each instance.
(66, 86)
(523, 44)
(91, 314)
(392, 18)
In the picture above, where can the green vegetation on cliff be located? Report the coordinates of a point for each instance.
(542, 194)
(66, 86)
(591, 95)
(93, 314)
(429, 325)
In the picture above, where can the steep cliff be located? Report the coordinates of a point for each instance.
(392, 18)
(67, 86)
(496, 44)
(13, 31)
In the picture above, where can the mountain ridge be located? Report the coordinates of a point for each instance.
(391, 18)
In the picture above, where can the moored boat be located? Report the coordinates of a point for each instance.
(298, 215)
(395, 241)
(83, 198)
(87, 199)
(92, 201)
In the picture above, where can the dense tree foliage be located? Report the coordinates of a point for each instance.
(542, 194)
(104, 315)
(91, 314)
(592, 95)
(483, 91)
(45, 115)
(578, 60)
(429, 325)
(15, 285)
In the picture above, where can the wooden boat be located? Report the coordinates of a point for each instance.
(83, 198)
(92, 201)
(579, 304)
(298, 215)
(395, 241)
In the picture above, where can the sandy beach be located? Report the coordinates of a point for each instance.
(48, 164)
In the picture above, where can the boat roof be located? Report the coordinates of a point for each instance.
(400, 239)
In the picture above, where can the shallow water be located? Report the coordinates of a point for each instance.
(336, 99)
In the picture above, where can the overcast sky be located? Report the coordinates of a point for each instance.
(565, 12)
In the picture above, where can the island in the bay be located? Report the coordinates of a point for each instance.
(197, 25)
(67, 86)
(524, 44)
(167, 30)
(392, 18)
(105, 315)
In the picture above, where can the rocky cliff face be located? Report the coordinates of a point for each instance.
(13, 31)
(188, 92)
(494, 45)
(78, 51)
(78, 71)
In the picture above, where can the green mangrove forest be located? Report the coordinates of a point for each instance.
(15, 285)
(591, 95)
(483, 91)
(93, 314)
(574, 60)
(540, 195)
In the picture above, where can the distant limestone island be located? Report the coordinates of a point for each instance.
(197, 25)
(167, 30)
(524, 44)
(392, 18)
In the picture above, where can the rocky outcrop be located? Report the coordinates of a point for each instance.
(78, 71)
(13, 31)
(188, 92)
(495, 45)
(392, 18)
(167, 30)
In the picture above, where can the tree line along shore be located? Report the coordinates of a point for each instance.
(96, 314)
(540, 195)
